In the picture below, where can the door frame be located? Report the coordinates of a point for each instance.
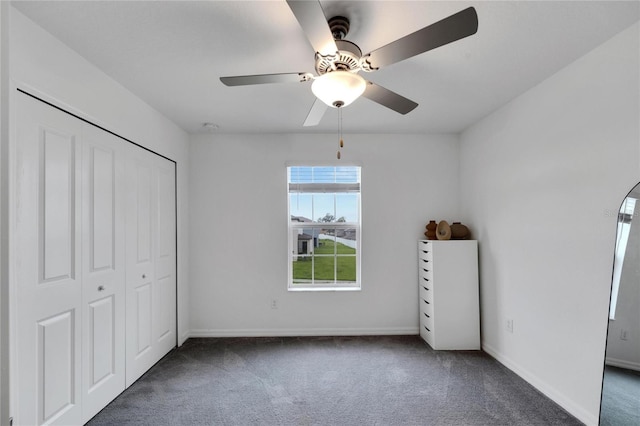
(5, 143)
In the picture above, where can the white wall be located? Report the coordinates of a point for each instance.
(239, 232)
(539, 180)
(46, 67)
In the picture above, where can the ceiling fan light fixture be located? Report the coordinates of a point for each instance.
(338, 88)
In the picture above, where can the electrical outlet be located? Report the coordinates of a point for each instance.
(510, 325)
(274, 304)
(624, 334)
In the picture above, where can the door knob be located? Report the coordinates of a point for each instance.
(100, 288)
(144, 276)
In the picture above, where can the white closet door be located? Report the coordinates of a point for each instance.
(165, 258)
(150, 252)
(95, 265)
(48, 265)
(103, 270)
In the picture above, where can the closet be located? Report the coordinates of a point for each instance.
(95, 264)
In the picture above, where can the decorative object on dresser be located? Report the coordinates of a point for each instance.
(431, 230)
(459, 231)
(448, 294)
(443, 231)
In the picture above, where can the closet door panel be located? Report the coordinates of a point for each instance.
(165, 326)
(56, 369)
(143, 306)
(103, 269)
(151, 260)
(165, 261)
(102, 354)
(47, 265)
(57, 205)
(142, 205)
(102, 207)
(141, 292)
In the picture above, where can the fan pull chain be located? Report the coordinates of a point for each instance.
(341, 145)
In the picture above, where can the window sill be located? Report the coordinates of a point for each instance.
(297, 289)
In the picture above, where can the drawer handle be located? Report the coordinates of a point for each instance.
(425, 327)
(425, 288)
(425, 251)
(426, 270)
(425, 261)
(425, 314)
(426, 302)
(426, 279)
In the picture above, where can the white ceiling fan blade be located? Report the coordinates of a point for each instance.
(387, 98)
(244, 80)
(316, 113)
(448, 30)
(314, 24)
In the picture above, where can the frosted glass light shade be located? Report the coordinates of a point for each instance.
(338, 88)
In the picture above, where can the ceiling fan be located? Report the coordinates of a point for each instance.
(338, 61)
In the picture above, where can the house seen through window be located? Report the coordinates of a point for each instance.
(324, 227)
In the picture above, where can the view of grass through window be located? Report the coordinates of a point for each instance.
(329, 257)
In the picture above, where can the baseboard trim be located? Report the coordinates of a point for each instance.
(183, 337)
(558, 397)
(629, 365)
(295, 332)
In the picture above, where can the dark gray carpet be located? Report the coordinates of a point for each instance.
(620, 397)
(381, 380)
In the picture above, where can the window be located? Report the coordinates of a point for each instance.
(625, 217)
(324, 228)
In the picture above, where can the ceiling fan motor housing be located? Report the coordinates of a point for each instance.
(348, 56)
(346, 59)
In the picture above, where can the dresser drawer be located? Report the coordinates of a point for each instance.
(425, 272)
(426, 276)
(426, 334)
(426, 320)
(425, 292)
(425, 264)
(424, 252)
(426, 306)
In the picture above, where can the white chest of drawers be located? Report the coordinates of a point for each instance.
(448, 294)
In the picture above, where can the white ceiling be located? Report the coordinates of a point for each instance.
(172, 53)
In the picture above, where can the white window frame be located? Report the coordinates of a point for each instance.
(625, 218)
(323, 188)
